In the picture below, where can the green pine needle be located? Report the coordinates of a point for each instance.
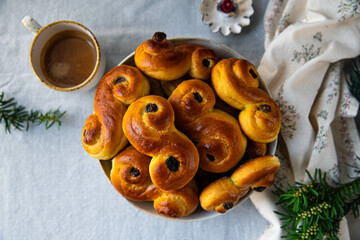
(16, 116)
(352, 73)
(315, 210)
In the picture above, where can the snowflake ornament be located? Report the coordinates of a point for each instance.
(228, 16)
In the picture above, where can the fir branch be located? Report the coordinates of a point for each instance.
(16, 116)
(315, 210)
(352, 76)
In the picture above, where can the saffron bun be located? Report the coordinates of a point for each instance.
(102, 134)
(222, 194)
(159, 58)
(217, 134)
(236, 82)
(130, 177)
(149, 126)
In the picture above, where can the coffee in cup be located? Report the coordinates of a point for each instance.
(65, 55)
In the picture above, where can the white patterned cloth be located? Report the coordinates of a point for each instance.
(306, 43)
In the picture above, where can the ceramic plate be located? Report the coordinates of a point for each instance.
(222, 52)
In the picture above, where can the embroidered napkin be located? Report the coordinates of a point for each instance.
(306, 43)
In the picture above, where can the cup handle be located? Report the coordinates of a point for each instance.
(31, 24)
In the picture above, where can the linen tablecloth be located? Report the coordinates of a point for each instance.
(50, 187)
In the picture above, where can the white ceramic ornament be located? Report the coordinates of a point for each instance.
(228, 16)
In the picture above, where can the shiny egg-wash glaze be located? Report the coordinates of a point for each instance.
(130, 177)
(236, 82)
(149, 126)
(222, 194)
(102, 135)
(220, 141)
(160, 59)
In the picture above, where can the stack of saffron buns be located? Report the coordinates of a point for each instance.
(183, 128)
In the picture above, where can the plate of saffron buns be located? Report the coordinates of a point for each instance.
(184, 128)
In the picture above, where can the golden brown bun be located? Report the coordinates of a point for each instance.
(261, 121)
(178, 203)
(255, 170)
(221, 195)
(224, 193)
(236, 82)
(149, 125)
(160, 59)
(220, 141)
(267, 181)
(102, 135)
(255, 149)
(130, 177)
(202, 60)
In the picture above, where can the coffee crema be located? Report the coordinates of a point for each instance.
(68, 58)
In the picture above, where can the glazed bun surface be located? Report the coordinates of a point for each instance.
(160, 59)
(149, 126)
(236, 82)
(102, 135)
(130, 177)
(178, 203)
(222, 194)
(220, 141)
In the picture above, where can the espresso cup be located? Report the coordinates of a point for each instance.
(65, 55)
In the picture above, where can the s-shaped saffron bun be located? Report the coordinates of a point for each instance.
(236, 82)
(178, 203)
(149, 126)
(222, 194)
(102, 134)
(160, 59)
(130, 177)
(220, 141)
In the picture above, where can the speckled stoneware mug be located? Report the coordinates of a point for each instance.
(81, 74)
